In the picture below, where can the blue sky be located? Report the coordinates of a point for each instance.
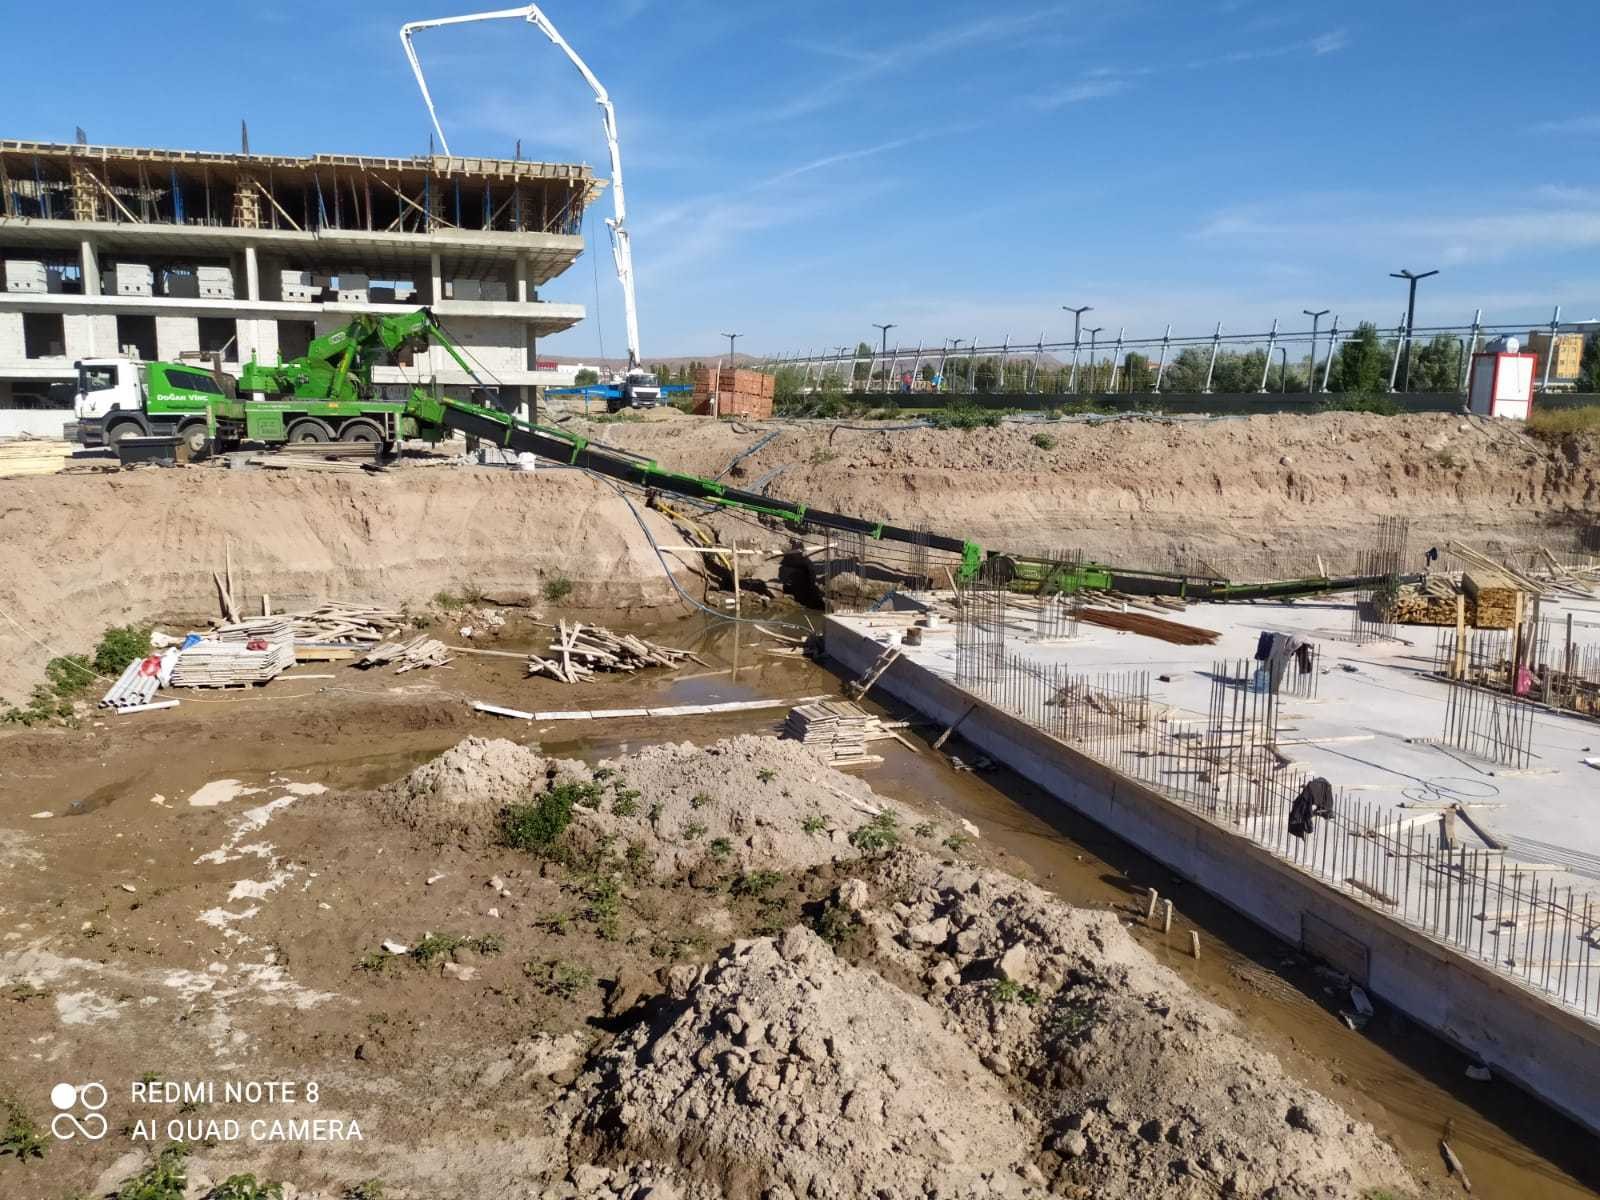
(798, 171)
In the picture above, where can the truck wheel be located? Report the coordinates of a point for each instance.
(122, 429)
(360, 431)
(309, 431)
(195, 437)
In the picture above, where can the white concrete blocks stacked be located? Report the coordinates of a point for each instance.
(26, 276)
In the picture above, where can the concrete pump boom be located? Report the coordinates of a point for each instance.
(621, 242)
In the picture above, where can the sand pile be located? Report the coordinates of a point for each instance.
(1145, 1087)
(459, 795)
(785, 1072)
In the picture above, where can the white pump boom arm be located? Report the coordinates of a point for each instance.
(621, 244)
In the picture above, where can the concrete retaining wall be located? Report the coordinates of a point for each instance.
(1546, 1049)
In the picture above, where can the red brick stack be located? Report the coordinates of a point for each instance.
(737, 393)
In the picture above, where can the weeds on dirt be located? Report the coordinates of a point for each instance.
(626, 802)
(1044, 441)
(675, 949)
(23, 992)
(965, 415)
(1070, 1020)
(636, 860)
(766, 774)
(245, 1187)
(367, 1189)
(537, 825)
(1009, 991)
(1552, 423)
(693, 831)
(720, 848)
(556, 977)
(699, 800)
(557, 589)
(955, 843)
(439, 945)
(119, 646)
(20, 1137)
(165, 1179)
(877, 835)
(755, 883)
(814, 824)
(559, 924)
(834, 924)
(924, 829)
(823, 454)
(604, 895)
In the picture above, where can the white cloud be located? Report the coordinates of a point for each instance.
(1322, 44)
(1589, 123)
(1077, 93)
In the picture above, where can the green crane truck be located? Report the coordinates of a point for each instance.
(324, 395)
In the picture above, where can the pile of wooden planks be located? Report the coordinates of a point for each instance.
(1433, 602)
(34, 456)
(230, 664)
(407, 656)
(270, 629)
(582, 650)
(837, 729)
(339, 623)
(1156, 627)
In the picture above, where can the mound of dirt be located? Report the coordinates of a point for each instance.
(787, 1072)
(745, 802)
(458, 796)
(1146, 1087)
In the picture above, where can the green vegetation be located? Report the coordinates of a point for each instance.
(626, 801)
(822, 454)
(1556, 423)
(558, 978)
(245, 1187)
(439, 945)
(693, 831)
(965, 415)
(877, 835)
(834, 924)
(1043, 440)
(585, 377)
(559, 923)
(699, 800)
(20, 1137)
(537, 825)
(604, 895)
(766, 774)
(165, 1179)
(924, 829)
(720, 848)
(814, 824)
(955, 843)
(119, 646)
(1070, 1020)
(755, 883)
(1009, 991)
(557, 589)
(1375, 402)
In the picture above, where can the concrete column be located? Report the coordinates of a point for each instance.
(252, 275)
(436, 281)
(89, 264)
(522, 279)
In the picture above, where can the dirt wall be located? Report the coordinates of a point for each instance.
(82, 552)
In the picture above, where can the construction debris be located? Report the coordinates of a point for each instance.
(836, 729)
(231, 664)
(140, 680)
(337, 623)
(267, 629)
(1157, 627)
(420, 651)
(586, 649)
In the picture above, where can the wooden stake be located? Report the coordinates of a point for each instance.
(1458, 669)
(1166, 919)
(940, 740)
(1194, 943)
(1150, 913)
(266, 604)
(736, 609)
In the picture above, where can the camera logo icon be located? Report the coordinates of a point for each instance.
(67, 1124)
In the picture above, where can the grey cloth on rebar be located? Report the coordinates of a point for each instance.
(1315, 800)
(1283, 647)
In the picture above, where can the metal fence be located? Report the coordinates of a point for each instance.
(1410, 863)
(1093, 366)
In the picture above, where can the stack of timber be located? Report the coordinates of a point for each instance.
(268, 629)
(336, 623)
(1488, 600)
(582, 650)
(407, 656)
(34, 456)
(230, 664)
(837, 730)
(1167, 631)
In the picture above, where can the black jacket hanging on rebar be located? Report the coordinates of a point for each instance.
(1315, 800)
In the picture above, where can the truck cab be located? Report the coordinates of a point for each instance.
(638, 389)
(119, 397)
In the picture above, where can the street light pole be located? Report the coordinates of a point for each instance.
(884, 329)
(1283, 374)
(1077, 321)
(732, 337)
(1311, 371)
(1411, 316)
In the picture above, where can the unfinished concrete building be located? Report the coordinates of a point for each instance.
(157, 254)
